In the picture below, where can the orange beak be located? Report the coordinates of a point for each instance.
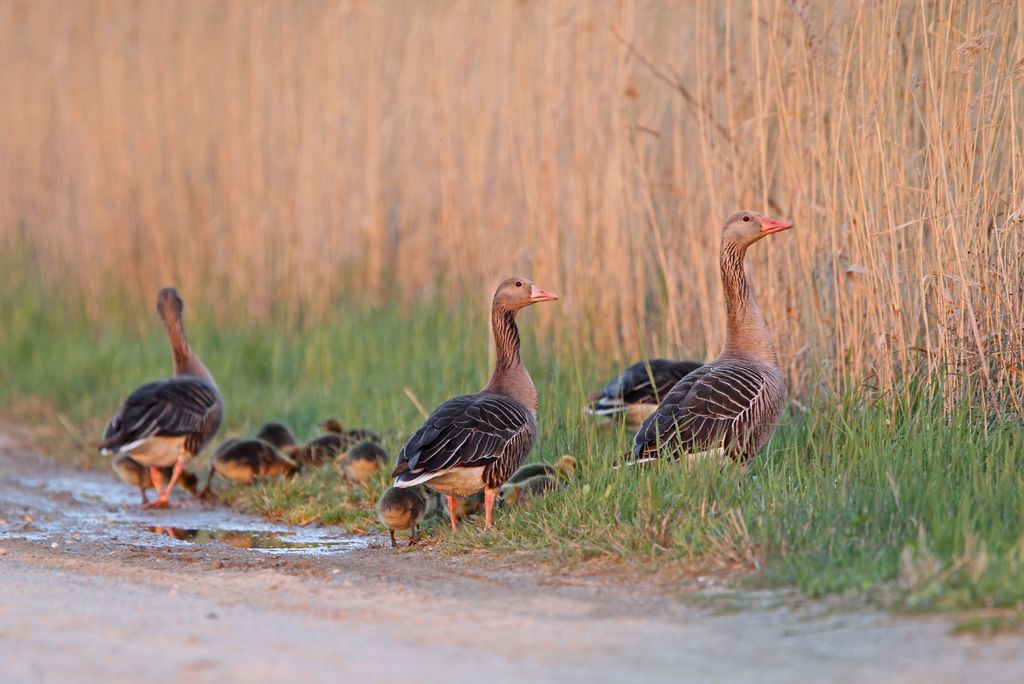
(539, 295)
(770, 225)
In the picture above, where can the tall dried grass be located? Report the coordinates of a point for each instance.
(278, 157)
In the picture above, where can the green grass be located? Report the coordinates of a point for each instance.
(914, 506)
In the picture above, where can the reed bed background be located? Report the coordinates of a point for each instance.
(281, 162)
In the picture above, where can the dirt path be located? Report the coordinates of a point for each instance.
(89, 593)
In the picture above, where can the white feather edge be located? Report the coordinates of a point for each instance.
(716, 453)
(402, 484)
(124, 448)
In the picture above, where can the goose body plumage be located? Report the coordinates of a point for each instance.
(636, 392)
(162, 419)
(469, 442)
(167, 422)
(731, 406)
(476, 441)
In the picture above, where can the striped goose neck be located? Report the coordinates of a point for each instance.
(746, 332)
(510, 376)
(185, 360)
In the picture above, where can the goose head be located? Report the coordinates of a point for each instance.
(744, 228)
(514, 294)
(169, 304)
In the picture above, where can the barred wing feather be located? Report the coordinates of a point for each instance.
(728, 405)
(468, 431)
(179, 406)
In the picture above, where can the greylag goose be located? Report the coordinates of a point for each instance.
(404, 509)
(276, 435)
(363, 462)
(729, 407)
(564, 467)
(166, 423)
(512, 493)
(477, 440)
(134, 473)
(635, 392)
(246, 460)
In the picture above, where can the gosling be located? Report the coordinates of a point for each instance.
(466, 506)
(353, 436)
(564, 467)
(515, 493)
(276, 435)
(363, 462)
(246, 460)
(405, 509)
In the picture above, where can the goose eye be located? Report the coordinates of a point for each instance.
(519, 283)
(747, 219)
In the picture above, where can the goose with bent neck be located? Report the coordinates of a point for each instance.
(166, 423)
(476, 441)
(729, 407)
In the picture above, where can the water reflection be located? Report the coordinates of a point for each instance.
(257, 539)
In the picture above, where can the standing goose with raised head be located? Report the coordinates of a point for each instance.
(729, 407)
(636, 392)
(476, 441)
(166, 423)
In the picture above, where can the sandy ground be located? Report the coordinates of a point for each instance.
(89, 593)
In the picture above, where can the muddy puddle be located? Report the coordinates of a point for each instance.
(68, 507)
(301, 541)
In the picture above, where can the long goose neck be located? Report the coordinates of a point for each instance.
(510, 376)
(746, 332)
(185, 360)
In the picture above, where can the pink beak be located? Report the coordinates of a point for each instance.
(539, 295)
(770, 225)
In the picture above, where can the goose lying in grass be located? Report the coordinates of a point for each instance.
(636, 392)
(363, 462)
(404, 509)
(166, 423)
(137, 475)
(729, 407)
(476, 441)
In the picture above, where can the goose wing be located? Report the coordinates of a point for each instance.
(721, 405)
(467, 431)
(180, 406)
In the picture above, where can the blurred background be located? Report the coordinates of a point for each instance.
(288, 163)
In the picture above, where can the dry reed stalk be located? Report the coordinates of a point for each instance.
(280, 156)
